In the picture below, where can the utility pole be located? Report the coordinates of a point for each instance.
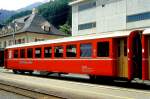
(15, 25)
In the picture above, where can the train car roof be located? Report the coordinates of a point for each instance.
(77, 38)
(146, 31)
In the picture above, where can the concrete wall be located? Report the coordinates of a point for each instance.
(110, 15)
(135, 7)
(75, 19)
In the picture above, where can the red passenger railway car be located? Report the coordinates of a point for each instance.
(122, 54)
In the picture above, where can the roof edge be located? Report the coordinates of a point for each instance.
(76, 2)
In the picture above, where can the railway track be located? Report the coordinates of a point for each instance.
(44, 88)
(29, 94)
(135, 84)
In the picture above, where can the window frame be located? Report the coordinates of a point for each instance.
(76, 50)
(91, 49)
(35, 54)
(138, 17)
(24, 52)
(62, 52)
(86, 26)
(17, 53)
(32, 52)
(86, 5)
(107, 41)
(51, 51)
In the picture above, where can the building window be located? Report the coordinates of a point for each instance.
(5, 44)
(19, 41)
(23, 40)
(86, 50)
(47, 52)
(15, 53)
(38, 39)
(87, 5)
(22, 53)
(71, 51)
(30, 53)
(87, 26)
(0, 44)
(10, 42)
(103, 49)
(38, 53)
(59, 51)
(138, 17)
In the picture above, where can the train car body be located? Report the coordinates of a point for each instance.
(120, 54)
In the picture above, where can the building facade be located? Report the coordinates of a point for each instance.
(100, 16)
(27, 29)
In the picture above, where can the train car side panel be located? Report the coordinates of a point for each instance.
(101, 67)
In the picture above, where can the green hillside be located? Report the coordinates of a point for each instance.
(57, 12)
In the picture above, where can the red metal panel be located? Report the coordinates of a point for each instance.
(64, 52)
(42, 52)
(113, 55)
(145, 69)
(130, 53)
(102, 67)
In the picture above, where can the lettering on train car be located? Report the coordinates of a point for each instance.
(26, 62)
(86, 69)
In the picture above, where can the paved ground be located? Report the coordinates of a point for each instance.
(71, 90)
(8, 95)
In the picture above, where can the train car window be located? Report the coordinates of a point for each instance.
(86, 50)
(103, 49)
(22, 53)
(16, 54)
(47, 52)
(71, 51)
(58, 51)
(10, 54)
(38, 53)
(30, 53)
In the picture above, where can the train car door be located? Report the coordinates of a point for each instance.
(135, 55)
(149, 58)
(122, 58)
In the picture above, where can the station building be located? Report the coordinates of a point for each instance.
(27, 29)
(102, 16)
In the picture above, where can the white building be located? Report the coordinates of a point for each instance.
(99, 16)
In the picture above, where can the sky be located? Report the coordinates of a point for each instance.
(17, 4)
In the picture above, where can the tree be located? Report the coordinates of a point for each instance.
(18, 15)
(56, 12)
(66, 28)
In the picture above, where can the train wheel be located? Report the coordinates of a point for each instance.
(15, 71)
(30, 72)
(92, 77)
(59, 74)
(22, 72)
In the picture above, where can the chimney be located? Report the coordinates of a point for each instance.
(34, 11)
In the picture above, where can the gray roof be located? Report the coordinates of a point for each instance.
(34, 23)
